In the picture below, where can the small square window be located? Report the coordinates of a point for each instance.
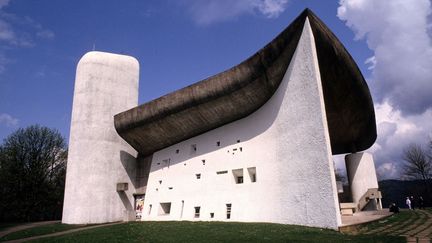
(165, 208)
(238, 176)
(252, 174)
(198, 176)
(197, 212)
(218, 143)
(211, 215)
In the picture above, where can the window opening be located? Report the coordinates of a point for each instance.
(166, 162)
(238, 141)
(181, 212)
(238, 176)
(149, 211)
(160, 182)
(203, 161)
(193, 148)
(197, 212)
(198, 176)
(218, 143)
(241, 149)
(170, 188)
(252, 173)
(222, 172)
(228, 210)
(211, 215)
(177, 151)
(165, 208)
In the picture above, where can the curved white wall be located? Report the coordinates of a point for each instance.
(361, 174)
(105, 84)
(286, 140)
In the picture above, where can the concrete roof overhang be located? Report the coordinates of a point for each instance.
(241, 90)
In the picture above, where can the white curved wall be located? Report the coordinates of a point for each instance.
(105, 84)
(361, 174)
(286, 140)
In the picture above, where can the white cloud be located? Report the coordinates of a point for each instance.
(395, 133)
(18, 32)
(45, 34)
(4, 3)
(8, 120)
(206, 12)
(397, 32)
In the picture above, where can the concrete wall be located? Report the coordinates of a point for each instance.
(286, 141)
(105, 84)
(361, 174)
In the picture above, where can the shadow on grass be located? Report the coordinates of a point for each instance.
(213, 232)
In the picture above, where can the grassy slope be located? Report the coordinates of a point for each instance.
(213, 232)
(39, 230)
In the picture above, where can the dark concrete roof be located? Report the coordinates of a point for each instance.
(215, 101)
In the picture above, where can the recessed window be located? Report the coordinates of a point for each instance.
(222, 172)
(218, 143)
(149, 210)
(177, 151)
(203, 161)
(170, 188)
(166, 162)
(211, 215)
(241, 149)
(165, 208)
(252, 173)
(238, 141)
(160, 182)
(198, 176)
(238, 176)
(228, 210)
(193, 148)
(197, 212)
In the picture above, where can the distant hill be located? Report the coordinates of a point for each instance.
(396, 191)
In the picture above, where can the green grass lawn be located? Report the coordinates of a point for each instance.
(39, 230)
(213, 232)
(4, 226)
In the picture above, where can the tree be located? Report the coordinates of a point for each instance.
(418, 162)
(32, 174)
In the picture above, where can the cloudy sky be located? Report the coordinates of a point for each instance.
(181, 42)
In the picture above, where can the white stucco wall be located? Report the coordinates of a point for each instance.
(105, 85)
(286, 140)
(361, 174)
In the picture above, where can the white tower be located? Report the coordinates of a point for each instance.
(99, 159)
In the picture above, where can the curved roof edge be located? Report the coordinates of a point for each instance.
(214, 102)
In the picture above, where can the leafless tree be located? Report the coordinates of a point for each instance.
(418, 162)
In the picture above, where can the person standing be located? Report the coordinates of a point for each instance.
(413, 203)
(408, 203)
(421, 203)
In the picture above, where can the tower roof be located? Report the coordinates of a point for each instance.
(241, 90)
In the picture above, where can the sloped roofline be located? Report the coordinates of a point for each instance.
(215, 101)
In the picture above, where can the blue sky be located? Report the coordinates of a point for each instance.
(181, 42)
